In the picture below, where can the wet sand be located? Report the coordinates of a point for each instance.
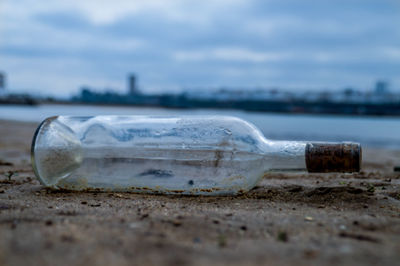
(288, 219)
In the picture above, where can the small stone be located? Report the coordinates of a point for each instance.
(67, 238)
(176, 223)
(310, 254)
(196, 240)
(282, 236)
(371, 189)
(14, 224)
(134, 225)
(308, 218)
(222, 241)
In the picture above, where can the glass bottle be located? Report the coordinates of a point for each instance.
(208, 155)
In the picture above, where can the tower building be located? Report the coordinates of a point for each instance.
(133, 90)
(2, 81)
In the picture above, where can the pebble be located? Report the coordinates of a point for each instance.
(134, 225)
(308, 218)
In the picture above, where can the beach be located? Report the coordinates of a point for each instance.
(288, 219)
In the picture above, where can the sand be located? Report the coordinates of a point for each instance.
(288, 219)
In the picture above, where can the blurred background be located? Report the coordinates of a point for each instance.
(311, 70)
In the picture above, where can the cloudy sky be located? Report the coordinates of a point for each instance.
(55, 47)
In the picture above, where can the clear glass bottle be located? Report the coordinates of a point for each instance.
(208, 155)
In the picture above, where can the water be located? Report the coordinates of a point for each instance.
(382, 132)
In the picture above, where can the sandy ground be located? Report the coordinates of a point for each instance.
(288, 219)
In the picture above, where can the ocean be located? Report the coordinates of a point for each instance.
(379, 132)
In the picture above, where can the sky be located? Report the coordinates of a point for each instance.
(56, 47)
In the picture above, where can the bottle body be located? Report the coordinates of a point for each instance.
(207, 155)
(184, 155)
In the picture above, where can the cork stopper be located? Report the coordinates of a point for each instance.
(333, 157)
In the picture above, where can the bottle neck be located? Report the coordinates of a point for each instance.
(282, 156)
(313, 157)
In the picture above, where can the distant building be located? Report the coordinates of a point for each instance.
(2, 81)
(133, 90)
(381, 87)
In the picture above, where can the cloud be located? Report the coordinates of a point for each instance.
(391, 53)
(228, 54)
(103, 12)
(175, 44)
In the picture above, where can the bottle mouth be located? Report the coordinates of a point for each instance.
(33, 145)
(343, 157)
(55, 152)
